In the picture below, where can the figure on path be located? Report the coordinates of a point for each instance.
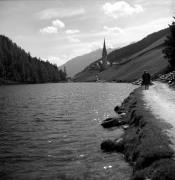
(146, 80)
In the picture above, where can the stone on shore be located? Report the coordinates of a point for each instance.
(111, 122)
(112, 145)
(119, 110)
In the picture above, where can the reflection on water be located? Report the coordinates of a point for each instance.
(52, 131)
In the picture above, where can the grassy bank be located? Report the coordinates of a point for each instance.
(146, 145)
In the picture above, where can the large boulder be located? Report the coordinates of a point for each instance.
(113, 145)
(111, 122)
(119, 110)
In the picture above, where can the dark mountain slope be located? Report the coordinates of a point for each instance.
(127, 51)
(18, 66)
(129, 62)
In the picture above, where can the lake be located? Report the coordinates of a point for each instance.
(53, 131)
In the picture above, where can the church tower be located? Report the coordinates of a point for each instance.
(104, 56)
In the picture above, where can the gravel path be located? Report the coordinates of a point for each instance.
(160, 100)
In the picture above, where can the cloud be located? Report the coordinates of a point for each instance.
(72, 31)
(155, 3)
(53, 29)
(49, 30)
(58, 60)
(59, 24)
(60, 13)
(121, 9)
(150, 27)
(113, 29)
(73, 39)
(118, 37)
(127, 35)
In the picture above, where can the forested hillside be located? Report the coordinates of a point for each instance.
(18, 66)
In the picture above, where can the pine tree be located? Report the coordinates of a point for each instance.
(169, 49)
(17, 65)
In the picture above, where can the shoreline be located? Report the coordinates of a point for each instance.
(145, 144)
(9, 82)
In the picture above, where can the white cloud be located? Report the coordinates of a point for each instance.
(59, 24)
(58, 60)
(73, 39)
(53, 29)
(121, 8)
(49, 30)
(60, 13)
(155, 3)
(72, 31)
(135, 33)
(150, 27)
(118, 37)
(113, 29)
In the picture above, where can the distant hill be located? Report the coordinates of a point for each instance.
(77, 64)
(16, 65)
(129, 62)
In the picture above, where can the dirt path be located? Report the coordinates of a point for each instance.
(160, 100)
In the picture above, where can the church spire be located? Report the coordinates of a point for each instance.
(104, 55)
(104, 49)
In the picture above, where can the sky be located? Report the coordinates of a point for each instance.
(58, 30)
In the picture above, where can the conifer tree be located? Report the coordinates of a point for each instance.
(169, 49)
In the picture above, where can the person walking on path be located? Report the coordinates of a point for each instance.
(146, 80)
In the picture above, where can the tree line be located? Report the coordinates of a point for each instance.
(17, 65)
(169, 50)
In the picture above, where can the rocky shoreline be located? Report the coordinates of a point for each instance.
(145, 145)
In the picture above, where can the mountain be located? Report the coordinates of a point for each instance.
(18, 66)
(128, 63)
(77, 64)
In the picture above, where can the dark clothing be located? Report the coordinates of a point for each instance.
(146, 79)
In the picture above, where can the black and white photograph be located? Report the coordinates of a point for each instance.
(87, 90)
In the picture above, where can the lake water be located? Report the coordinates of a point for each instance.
(53, 131)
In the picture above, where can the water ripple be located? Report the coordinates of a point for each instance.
(52, 131)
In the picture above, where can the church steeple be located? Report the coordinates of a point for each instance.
(104, 55)
(104, 49)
